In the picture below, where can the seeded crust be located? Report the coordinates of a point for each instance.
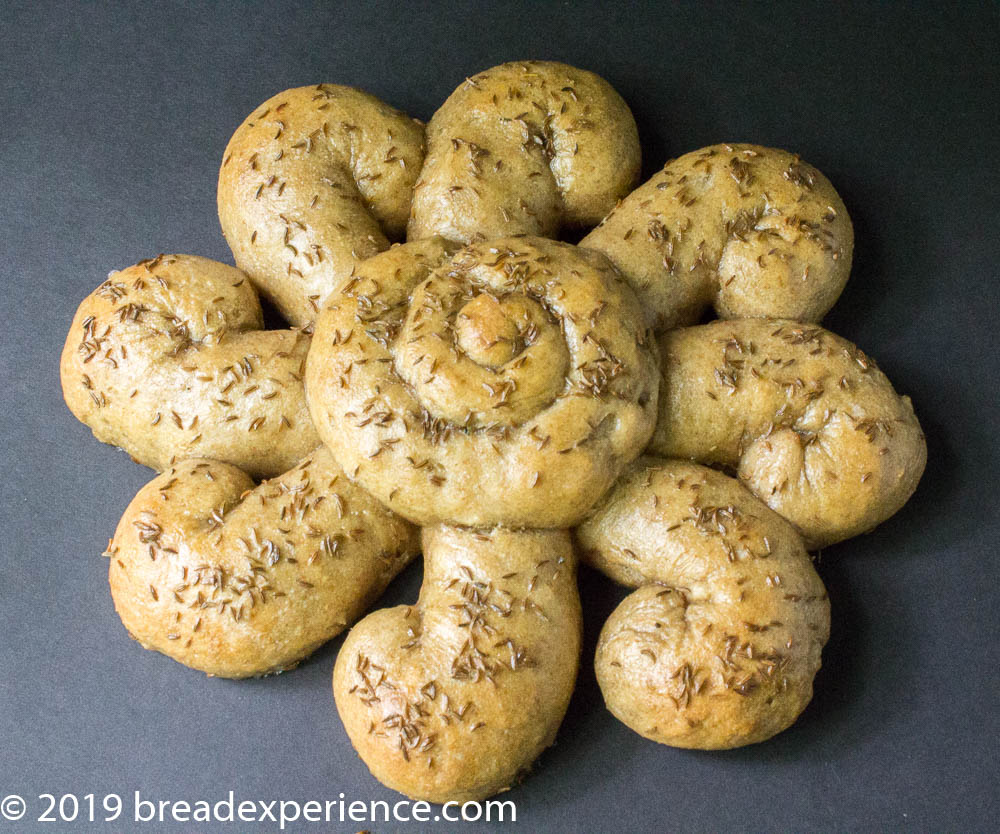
(168, 359)
(509, 383)
(502, 386)
(530, 147)
(812, 427)
(719, 645)
(241, 581)
(453, 698)
(315, 180)
(745, 230)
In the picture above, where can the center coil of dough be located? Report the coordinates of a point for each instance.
(489, 331)
(480, 357)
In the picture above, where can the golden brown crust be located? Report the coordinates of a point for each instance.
(315, 180)
(719, 645)
(815, 429)
(427, 396)
(747, 230)
(454, 697)
(529, 147)
(239, 581)
(168, 359)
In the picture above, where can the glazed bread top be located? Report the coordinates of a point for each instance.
(742, 229)
(240, 580)
(529, 147)
(507, 383)
(811, 426)
(719, 645)
(168, 359)
(453, 698)
(315, 180)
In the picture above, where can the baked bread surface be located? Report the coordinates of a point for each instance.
(453, 698)
(741, 229)
(718, 645)
(168, 359)
(240, 580)
(507, 383)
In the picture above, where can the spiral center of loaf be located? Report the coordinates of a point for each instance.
(479, 352)
(488, 331)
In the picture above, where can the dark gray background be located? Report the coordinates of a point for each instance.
(112, 126)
